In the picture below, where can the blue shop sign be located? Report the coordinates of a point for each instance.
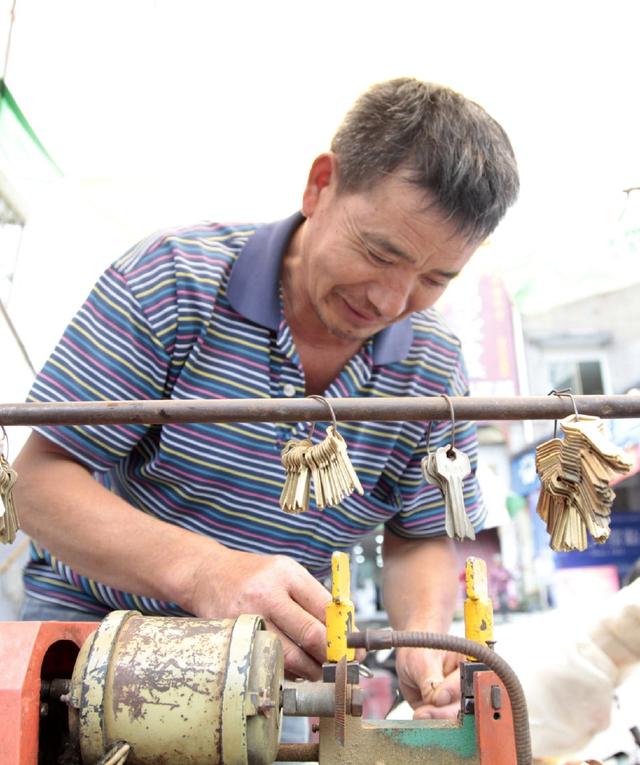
(524, 479)
(622, 549)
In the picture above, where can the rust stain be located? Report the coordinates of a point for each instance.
(138, 682)
(153, 657)
(133, 701)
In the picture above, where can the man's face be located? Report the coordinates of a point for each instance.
(371, 258)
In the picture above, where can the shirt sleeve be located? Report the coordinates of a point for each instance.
(422, 510)
(114, 349)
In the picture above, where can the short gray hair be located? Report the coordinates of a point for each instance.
(452, 149)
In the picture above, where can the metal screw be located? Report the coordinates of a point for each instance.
(265, 704)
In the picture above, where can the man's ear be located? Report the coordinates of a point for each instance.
(321, 176)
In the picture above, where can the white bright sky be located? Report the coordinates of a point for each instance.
(164, 111)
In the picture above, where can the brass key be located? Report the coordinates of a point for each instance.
(453, 466)
(8, 516)
(295, 492)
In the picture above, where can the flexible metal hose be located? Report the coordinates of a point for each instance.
(375, 640)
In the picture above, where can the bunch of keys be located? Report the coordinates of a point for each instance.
(294, 498)
(574, 472)
(334, 477)
(327, 464)
(8, 516)
(447, 468)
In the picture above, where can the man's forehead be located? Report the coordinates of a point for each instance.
(396, 200)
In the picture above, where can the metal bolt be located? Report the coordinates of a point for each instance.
(265, 707)
(265, 703)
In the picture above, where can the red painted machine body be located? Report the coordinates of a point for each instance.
(494, 723)
(29, 653)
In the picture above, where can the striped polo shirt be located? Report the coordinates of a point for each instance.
(196, 313)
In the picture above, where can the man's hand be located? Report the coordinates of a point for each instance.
(420, 583)
(289, 598)
(429, 681)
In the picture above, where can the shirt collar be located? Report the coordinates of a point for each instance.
(254, 288)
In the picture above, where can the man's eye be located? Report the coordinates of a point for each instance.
(377, 259)
(432, 282)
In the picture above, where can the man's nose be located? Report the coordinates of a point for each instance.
(391, 296)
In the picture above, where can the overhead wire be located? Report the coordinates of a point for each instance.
(3, 309)
(5, 67)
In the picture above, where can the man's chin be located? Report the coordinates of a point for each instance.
(350, 334)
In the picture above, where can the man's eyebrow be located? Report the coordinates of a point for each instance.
(384, 244)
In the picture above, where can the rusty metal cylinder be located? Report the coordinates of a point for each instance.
(305, 699)
(178, 690)
(309, 699)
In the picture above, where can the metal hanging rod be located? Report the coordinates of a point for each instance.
(310, 410)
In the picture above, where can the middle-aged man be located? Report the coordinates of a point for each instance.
(336, 300)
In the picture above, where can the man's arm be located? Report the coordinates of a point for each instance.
(103, 537)
(420, 583)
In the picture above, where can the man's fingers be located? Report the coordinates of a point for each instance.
(432, 675)
(452, 662)
(297, 662)
(441, 696)
(430, 681)
(430, 712)
(312, 596)
(446, 692)
(303, 629)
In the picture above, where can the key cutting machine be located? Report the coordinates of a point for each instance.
(186, 691)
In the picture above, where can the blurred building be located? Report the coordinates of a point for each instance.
(591, 346)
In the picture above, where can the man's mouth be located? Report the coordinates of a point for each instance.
(361, 316)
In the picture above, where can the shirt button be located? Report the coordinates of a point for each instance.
(289, 390)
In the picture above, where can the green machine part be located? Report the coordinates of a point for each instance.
(439, 742)
(178, 690)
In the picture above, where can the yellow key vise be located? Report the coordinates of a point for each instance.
(478, 608)
(340, 612)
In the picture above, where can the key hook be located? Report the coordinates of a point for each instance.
(333, 414)
(451, 452)
(559, 394)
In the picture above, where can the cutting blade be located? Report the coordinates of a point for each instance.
(341, 699)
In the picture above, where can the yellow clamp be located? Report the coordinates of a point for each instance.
(340, 612)
(478, 609)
